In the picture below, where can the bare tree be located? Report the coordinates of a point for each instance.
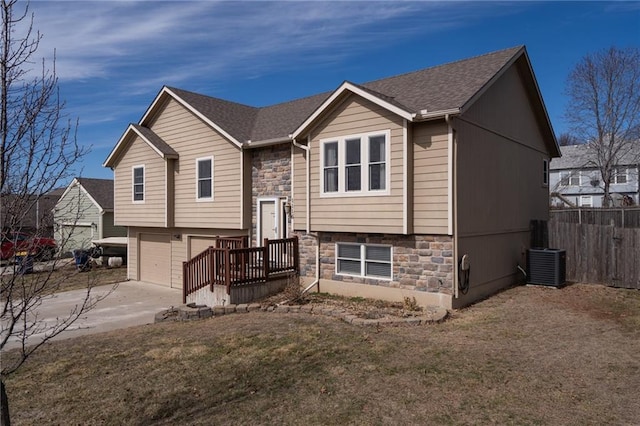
(567, 139)
(604, 108)
(38, 152)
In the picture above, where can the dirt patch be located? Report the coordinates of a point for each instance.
(359, 306)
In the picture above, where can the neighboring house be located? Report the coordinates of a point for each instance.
(579, 183)
(85, 213)
(387, 184)
(31, 214)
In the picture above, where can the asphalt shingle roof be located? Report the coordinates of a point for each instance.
(438, 88)
(155, 140)
(579, 157)
(100, 189)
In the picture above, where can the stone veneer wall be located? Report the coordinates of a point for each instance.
(307, 252)
(270, 176)
(420, 262)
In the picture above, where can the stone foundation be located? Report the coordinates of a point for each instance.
(421, 263)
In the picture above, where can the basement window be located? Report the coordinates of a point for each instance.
(364, 260)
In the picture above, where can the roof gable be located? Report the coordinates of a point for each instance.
(147, 135)
(377, 98)
(99, 191)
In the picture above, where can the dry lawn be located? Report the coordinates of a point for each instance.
(529, 355)
(67, 277)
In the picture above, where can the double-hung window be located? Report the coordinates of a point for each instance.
(364, 260)
(204, 179)
(620, 175)
(138, 184)
(570, 178)
(355, 164)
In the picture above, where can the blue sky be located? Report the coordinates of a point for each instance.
(114, 57)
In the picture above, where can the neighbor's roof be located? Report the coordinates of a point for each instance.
(101, 190)
(579, 157)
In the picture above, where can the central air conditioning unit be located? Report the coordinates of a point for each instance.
(546, 267)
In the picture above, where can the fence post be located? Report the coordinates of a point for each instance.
(265, 258)
(212, 266)
(227, 270)
(296, 253)
(185, 280)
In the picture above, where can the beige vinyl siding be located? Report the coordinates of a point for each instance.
(193, 139)
(430, 178)
(299, 183)
(373, 214)
(505, 109)
(132, 254)
(499, 185)
(151, 212)
(109, 229)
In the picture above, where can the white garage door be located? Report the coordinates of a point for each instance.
(199, 244)
(155, 258)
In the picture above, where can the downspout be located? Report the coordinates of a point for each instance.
(453, 194)
(307, 149)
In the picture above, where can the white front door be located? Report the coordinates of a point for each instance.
(268, 220)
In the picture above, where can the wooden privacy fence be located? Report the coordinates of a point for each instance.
(628, 217)
(603, 254)
(231, 264)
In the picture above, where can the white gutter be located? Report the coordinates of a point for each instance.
(425, 115)
(447, 119)
(453, 218)
(266, 142)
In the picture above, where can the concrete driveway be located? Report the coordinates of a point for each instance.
(131, 303)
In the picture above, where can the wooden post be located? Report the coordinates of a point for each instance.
(212, 266)
(265, 258)
(296, 255)
(227, 270)
(185, 280)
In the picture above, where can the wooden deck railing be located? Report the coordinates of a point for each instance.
(231, 264)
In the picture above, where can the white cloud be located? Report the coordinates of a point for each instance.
(183, 40)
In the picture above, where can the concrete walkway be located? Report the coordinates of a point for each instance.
(132, 303)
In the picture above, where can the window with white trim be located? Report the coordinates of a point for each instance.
(355, 164)
(570, 178)
(138, 183)
(586, 201)
(364, 260)
(619, 175)
(204, 179)
(545, 172)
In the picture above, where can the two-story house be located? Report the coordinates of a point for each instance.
(419, 185)
(84, 213)
(575, 181)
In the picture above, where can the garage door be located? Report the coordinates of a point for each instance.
(155, 258)
(199, 244)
